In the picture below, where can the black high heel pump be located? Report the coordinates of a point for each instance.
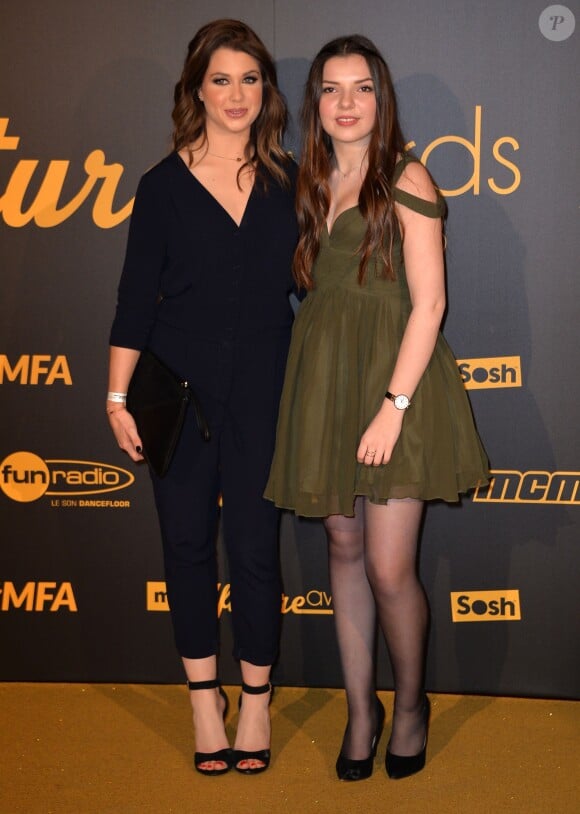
(222, 755)
(263, 755)
(347, 769)
(399, 766)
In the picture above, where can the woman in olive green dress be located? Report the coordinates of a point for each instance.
(374, 418)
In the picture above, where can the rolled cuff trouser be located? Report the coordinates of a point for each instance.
(236, 463)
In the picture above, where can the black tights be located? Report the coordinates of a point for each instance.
(373, 572)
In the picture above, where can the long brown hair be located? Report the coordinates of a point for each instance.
(376, 196)
(264, 150)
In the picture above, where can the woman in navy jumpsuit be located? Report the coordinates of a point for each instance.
(205, 286)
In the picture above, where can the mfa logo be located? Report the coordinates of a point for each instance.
(493, 371)
(485, 606)
(38, 596)
(512, 486)
(35, 368)
(25, 477)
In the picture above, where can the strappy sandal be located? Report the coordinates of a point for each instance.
(222, 755)
(263, 755)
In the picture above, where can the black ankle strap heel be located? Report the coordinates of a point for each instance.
(210, 684)
(260, 755)
(225, 756)
(263, 688)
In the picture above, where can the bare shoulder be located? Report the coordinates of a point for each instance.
(415, 180)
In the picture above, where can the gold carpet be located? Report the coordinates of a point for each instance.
(127, 749)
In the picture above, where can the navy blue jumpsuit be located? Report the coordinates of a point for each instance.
(211, 299)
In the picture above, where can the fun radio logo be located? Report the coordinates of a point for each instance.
(486, 606)
(313, 603)
(26, 477)
(493, 371)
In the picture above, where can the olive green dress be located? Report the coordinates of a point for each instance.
(345, 342)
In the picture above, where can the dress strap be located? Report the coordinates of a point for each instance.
(431, 209)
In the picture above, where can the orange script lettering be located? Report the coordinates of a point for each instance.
(45, 210)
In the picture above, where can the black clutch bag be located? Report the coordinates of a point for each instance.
(158, 400)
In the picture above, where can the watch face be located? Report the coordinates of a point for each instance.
(401, 402)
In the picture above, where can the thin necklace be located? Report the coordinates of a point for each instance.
(344, 175)
(225, 157)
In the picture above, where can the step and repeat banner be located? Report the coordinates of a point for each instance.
(488, 95)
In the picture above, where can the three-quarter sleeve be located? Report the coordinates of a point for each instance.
(144, 262)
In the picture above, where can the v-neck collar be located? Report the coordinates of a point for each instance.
(330, 231)
(214, 199)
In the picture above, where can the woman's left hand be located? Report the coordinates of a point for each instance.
(379, 439)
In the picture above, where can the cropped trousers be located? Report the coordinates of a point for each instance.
(235, 464)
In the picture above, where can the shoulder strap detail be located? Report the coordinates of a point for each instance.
(431, 209)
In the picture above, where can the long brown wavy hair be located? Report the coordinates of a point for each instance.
(386, 145)
(264, 150)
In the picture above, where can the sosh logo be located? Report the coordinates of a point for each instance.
(494, 371)
(485, 606)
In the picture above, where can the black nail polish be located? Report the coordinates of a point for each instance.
(139, 450)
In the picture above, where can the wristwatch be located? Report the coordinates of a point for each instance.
(401, 401)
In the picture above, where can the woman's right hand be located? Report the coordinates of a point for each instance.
(125, 431)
